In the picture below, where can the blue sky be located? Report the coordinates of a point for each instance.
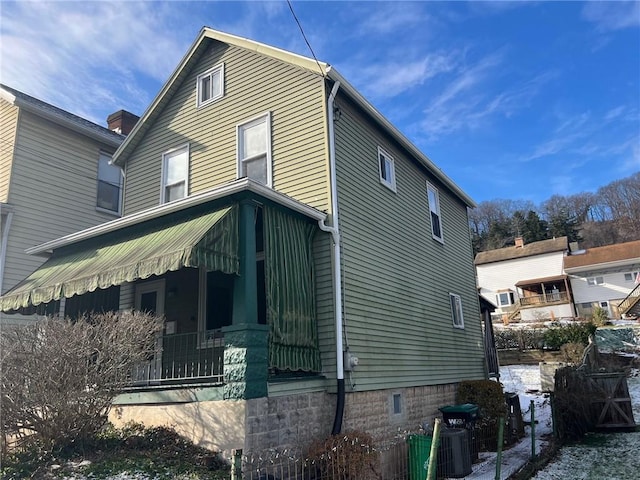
(514, 100)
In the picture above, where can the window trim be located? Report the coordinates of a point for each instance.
(209, 73)
(455, 298)
(171, 153)
(269, 140)
(633, 276)
(435, 210)
(117, 212)
(510, 297)
(593, 281)
(389, 183)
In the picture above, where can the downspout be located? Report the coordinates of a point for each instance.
(3, 243)
(334, 230)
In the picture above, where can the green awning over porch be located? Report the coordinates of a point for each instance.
(208, 240)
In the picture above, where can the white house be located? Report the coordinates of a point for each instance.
(526, 281)
(603, 276)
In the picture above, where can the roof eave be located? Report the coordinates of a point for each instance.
(105, 137)
(400, 137)
(237, 186)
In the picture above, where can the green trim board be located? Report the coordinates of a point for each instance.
(206, 240)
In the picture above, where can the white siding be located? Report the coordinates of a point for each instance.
(497, 276)
(614, 287)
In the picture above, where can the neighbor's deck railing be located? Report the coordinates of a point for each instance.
(544, 299)
(631, 299)
(183, 357)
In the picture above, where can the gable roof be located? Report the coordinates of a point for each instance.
(559, 244)
(202, 42)
(604, 255)
(59, 116)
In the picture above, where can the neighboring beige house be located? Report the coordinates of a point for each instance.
(604, 277)
(313, 267)
(55, 179)
(526, 281)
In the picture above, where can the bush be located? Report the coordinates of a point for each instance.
(159, 452)
(487, 395)
(599, 317)
(58, 376)
(520, 338)
(572, 352)
(555, 337)
(350, 455)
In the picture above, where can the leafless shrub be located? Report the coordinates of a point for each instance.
(59, 376)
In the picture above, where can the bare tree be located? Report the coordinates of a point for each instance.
(59, 376)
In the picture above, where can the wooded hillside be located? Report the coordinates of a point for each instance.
(611, 215)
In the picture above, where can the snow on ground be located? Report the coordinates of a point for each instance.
(525, 381)
(610, 456)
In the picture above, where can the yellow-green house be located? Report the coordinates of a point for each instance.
(313, 267)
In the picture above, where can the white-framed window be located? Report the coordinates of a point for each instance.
(109, 197)
(456, 310)
(505, 298)
(434, 208)
(254, 149)
(632, 277)
(386, 169)
(175, 174)
(210, 85)
(593, 281)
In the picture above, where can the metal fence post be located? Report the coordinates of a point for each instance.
(533, 430)
(236, 464)
(500, 443)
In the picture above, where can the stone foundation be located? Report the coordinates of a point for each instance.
(290, 421)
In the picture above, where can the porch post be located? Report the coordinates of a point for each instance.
(246, 342)
(245, 295)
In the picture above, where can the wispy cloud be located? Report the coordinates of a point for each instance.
(80, 56)
(610, 16)
(390, 18)
(471, 97)
(383, 80)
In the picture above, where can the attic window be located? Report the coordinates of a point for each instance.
(387, 169)
(210, 85)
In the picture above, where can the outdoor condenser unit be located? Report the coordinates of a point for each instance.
(454, 457)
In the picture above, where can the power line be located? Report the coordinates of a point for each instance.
(305, 37)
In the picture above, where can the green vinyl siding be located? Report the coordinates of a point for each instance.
(253, 84)
(8, 124)
(397, 278)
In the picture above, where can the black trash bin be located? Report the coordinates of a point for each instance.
(463, 416)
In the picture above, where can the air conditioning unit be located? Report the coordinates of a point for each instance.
(454, 456)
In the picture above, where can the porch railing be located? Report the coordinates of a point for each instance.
(536, 300)
(183, 358)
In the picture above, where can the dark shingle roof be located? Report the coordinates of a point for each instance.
(55, 113)
(559, 244)
(609, 253)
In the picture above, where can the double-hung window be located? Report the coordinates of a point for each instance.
(434, 208)
(109, 185)
(632, 277)
(254, 150)
(210, 85)
(175, 174)
(387, 169)
(456, 310)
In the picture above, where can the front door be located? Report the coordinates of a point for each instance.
(150, 299)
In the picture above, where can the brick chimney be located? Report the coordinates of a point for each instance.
(519, 242)
(122, 122)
